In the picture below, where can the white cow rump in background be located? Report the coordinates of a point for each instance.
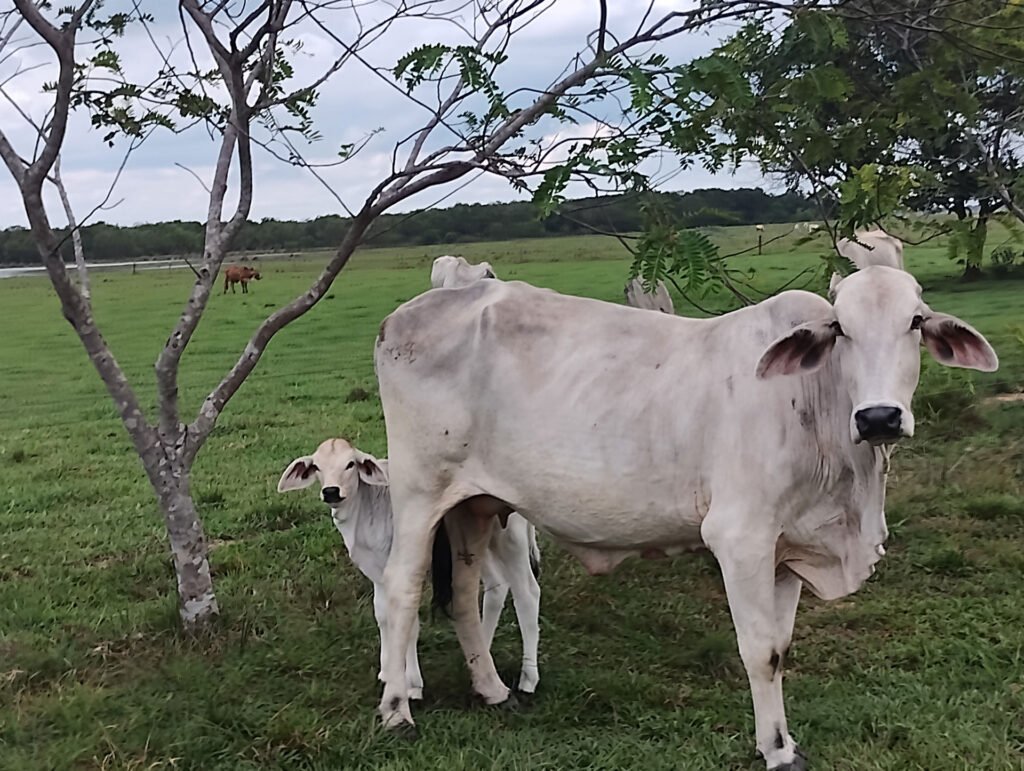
(658, 300)
(755, 434)
(449, 271)
(871, 247)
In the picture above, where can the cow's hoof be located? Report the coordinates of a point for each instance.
(405, 731)
(799, 763)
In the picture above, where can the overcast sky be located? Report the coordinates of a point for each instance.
(354, 103)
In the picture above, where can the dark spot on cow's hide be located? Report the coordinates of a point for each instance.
(446, 432)
(792, 403)
(806, 419)
(729, 386)
(396, 703)
(779, 741)
(774, 662)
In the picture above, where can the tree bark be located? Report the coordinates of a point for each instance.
(76, 234)
(197, 604)
(975, 250)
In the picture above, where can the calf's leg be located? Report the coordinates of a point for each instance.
(412, 664)
(495, 593)
(380, 612)
(510, 554)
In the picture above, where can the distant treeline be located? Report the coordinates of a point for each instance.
(456, 224)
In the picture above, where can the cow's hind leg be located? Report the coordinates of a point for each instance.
(759, 609)
(415, 523)
(469, 534)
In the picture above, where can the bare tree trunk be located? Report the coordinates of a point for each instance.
(197, 604)
(76, 235)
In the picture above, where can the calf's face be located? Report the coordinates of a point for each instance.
(338, 467)
(879, 321)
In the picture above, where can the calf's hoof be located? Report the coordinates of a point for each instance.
(526, 698)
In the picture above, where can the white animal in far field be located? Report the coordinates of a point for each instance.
(658, 300)
(870, 247)
(449, 271)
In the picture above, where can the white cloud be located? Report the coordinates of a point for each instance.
(354, 103)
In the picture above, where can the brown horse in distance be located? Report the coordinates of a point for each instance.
(235, 274)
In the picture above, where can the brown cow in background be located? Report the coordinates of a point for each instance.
(235, 274)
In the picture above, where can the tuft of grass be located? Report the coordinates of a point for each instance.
(996, 506)
(357, 394)
(947, 561)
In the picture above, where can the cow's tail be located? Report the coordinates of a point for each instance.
(441, 570)
(534, 552)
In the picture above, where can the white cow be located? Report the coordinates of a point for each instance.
(758, 435)
(658, 300)
(871, 247)
(449, 271)
(355, 486)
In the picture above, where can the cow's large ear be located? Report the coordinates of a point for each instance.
(801, 351)
(956, 343)
(301, 473)
(371, 470)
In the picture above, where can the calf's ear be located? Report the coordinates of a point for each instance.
(301, 473)
(371, 470)
(803, 350)
(956, 343)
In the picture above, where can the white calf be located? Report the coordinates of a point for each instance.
(355, 486)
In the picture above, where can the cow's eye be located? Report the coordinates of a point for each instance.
(917, 321)
(837, 328)
(351, 463)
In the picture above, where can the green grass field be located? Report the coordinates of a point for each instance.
(922, 669)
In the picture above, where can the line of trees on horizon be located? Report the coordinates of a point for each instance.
(456, 224)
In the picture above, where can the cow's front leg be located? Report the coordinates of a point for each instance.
(469, 535)
(759, 610)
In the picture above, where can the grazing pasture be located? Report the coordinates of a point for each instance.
(922, 669)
